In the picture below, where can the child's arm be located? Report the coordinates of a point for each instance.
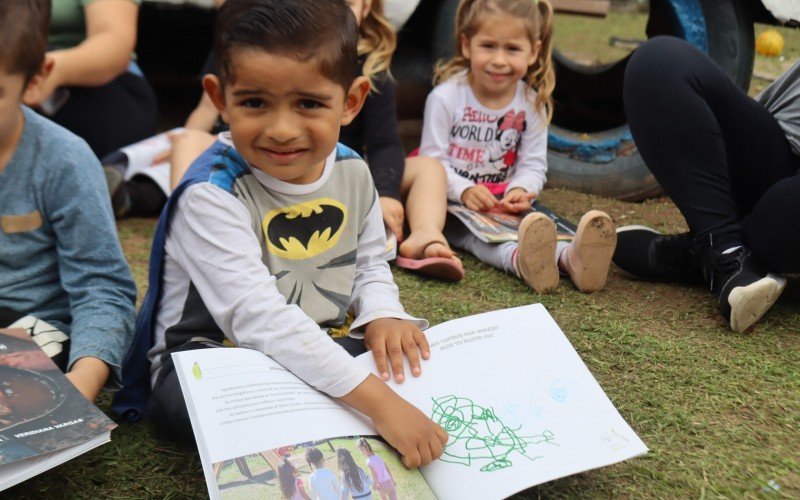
(302, 491)
(203, 116)
(435, 142)
(92, 270)
(530, 172)
(103, 55)
(370, 481)
(187, 146)
(211, 238)
(388, 331)
(89, 374)
(418, 439)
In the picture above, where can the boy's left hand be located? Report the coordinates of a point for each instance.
(517, 201)
(388, 339)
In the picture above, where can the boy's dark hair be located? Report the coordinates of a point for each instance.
(314, 457)
(24, 25)
(325, 30)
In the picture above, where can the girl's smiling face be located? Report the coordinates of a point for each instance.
(499, 53)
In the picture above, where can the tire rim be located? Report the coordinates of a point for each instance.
(589, 122)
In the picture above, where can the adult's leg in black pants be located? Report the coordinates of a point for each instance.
(718, 153)
(111, 116)
(713, 149)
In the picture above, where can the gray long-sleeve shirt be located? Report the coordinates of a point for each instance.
(60, 258)
(782, 99)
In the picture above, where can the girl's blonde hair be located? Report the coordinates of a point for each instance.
(378, 41)
(538, 16)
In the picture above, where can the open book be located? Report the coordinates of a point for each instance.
(496, 226)
(44, 420)
(519, 405)
(149, 157)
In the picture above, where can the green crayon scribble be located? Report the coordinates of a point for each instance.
(477, 434)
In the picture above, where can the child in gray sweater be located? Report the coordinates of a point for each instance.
(62, 273)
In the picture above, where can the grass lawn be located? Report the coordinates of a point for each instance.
(720, 411)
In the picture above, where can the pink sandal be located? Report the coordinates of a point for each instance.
(443, 268)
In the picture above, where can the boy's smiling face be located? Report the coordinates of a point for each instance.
(284, 114)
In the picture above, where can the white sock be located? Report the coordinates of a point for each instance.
(560, 247)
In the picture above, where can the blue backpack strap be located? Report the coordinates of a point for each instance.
(130, 403)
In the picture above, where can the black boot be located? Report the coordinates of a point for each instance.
(648, 255)
(744, 290)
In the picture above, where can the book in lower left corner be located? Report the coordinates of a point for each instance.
(44, 420)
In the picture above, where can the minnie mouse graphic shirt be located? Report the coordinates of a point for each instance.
(501, 148)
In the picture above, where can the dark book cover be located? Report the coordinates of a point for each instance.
(40, 410)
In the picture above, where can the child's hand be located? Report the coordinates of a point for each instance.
(517, 201)
(418, 438)
(478, 198)
(393, 215)
(390, 338)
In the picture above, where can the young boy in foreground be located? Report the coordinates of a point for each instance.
(62, 273)
(276, 233)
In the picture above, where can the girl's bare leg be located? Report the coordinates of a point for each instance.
(424, 189)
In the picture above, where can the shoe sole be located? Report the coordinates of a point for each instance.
(749, 303)
(636, 227)
(596, 239)
(536, 252)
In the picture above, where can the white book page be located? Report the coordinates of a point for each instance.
(519, 405)
(142, 159)
(245, 403)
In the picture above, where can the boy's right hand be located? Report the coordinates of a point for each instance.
(478, 198)
(418, 439)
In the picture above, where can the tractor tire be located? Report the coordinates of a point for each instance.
(590, 145)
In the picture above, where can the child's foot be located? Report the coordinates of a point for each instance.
(422, 244)
(536, 249)
(587, 259)
(430, 255)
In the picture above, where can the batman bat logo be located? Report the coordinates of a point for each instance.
(304, 230)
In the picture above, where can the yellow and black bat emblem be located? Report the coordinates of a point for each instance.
(304, 230)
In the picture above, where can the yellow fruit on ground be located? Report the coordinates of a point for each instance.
(769, 43)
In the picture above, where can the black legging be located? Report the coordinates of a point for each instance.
(111, 116)
(720, 155)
